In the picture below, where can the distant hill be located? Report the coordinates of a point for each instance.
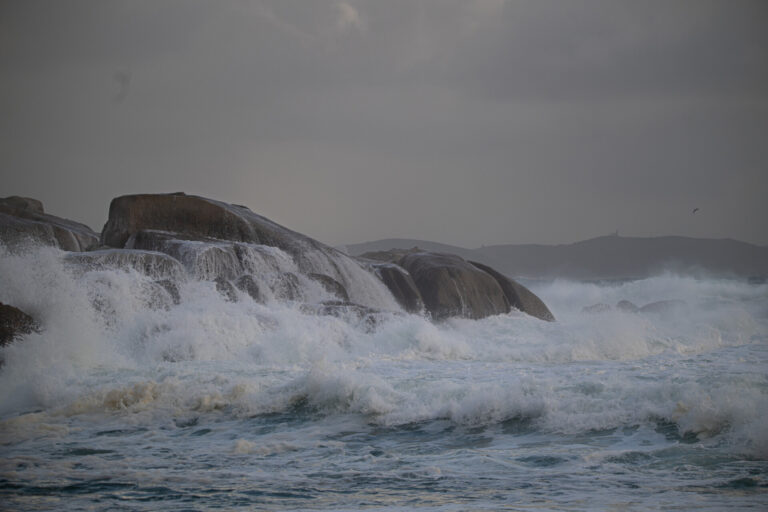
(407, 243)
(605, 257)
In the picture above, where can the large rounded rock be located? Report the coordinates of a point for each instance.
(194, 218)
(519, 297)
(401, 285)
(22, 219)
(451, 286)
(15, 232)
(176, 213)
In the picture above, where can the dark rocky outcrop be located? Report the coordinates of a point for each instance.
(199, 218)
(23, 219)
(22, 203)
(171, 237)
(224, 233)
(14, 324)
(627, 306)
(451, 286)
(247, 284)
(226, 289)
(519, 297)
(401, 285)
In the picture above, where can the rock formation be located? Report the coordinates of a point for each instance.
(228, 240)
(23, 219)
(14, 324)
(451, 286)
(170, 238)
(519, 297)
(401, 285)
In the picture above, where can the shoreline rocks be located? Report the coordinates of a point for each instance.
(15, 324)
(23, 219)
(518, 296)
(451, 286)
(172, 237)
(158, 221)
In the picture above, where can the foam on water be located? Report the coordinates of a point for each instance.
(272, 380)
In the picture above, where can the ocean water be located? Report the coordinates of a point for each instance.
(128, 402)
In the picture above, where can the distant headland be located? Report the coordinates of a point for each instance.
(605, 257)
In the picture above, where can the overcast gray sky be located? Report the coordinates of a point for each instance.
(463, 122)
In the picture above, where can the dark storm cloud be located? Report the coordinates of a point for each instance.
(465, 122)
(599, 50)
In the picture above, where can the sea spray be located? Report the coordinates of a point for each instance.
(233, 400)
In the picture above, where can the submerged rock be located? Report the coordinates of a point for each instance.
(152, 264)
(15, 324)
(248, 284)
(519, 297)
(664, 306)
(172, 288)
(369, 318)
(23, 219)
(627, 306)
(226, 289)
(596, 308)
(451, 286)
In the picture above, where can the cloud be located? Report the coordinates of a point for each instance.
(463, 121)
(348, 18)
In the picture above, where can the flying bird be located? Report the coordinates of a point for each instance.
(694, 210)
(123, 79)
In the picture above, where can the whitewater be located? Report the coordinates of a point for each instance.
(127, 400)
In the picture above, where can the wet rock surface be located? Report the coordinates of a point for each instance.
(401, 285)
(519, 297)
(171, 238)
(451, 286)
(15, 324)
(23, 220)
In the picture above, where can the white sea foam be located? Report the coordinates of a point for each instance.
(108, 347)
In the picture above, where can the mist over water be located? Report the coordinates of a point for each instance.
(126, 400)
